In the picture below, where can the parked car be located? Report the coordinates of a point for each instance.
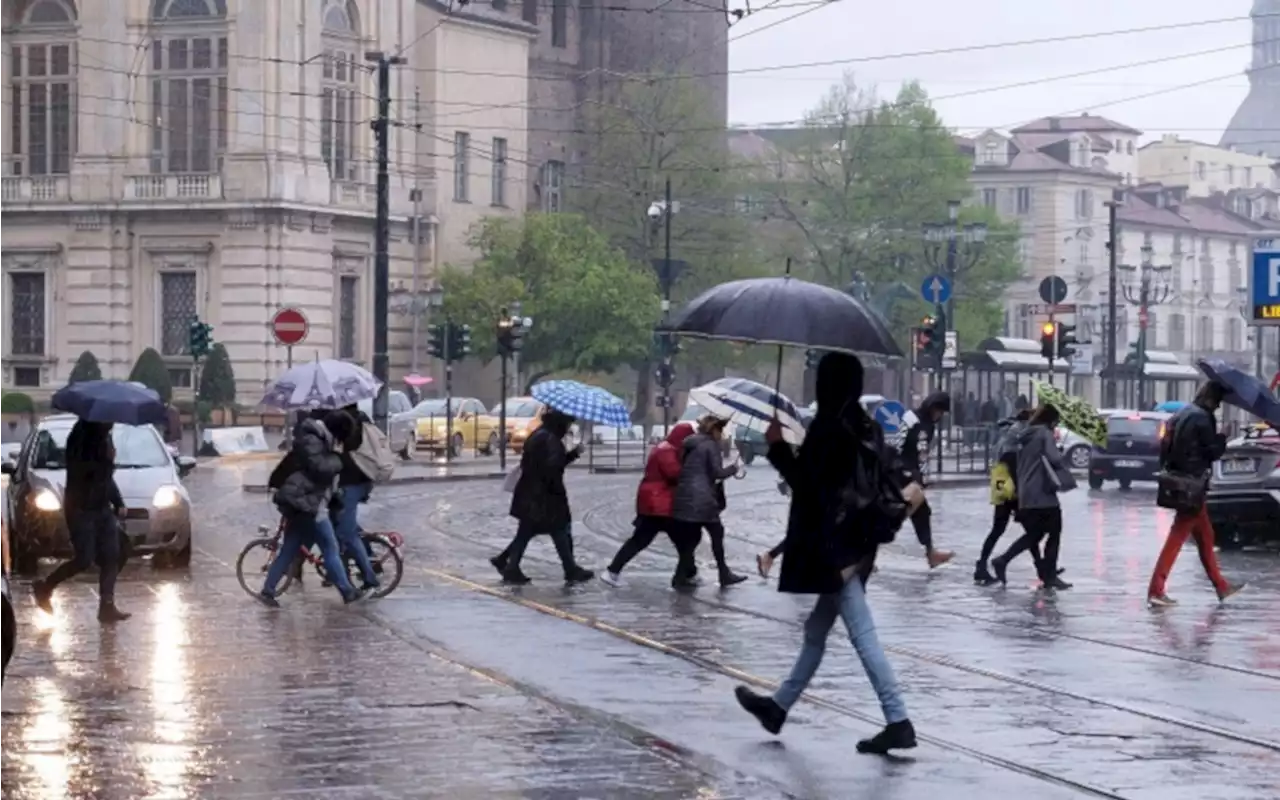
(158, 509)
(400, 424)
(1075, 447)
(524, 416)
(1244, 491)
(10, 620)
(1132, 452)
(472, 426)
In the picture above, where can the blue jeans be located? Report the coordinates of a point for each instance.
(302, 532)
(347, 528)
(850, 604)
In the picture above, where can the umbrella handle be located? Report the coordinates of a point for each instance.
(777, 379)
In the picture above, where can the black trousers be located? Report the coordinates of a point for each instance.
(691, 532)
(562, 538)
(922, 521)
(95, 538)
(1040, 524)
(646, 530)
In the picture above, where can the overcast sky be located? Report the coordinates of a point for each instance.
(847, 29)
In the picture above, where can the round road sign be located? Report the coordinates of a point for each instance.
(289, 326)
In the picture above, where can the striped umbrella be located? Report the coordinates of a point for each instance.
(751, 405)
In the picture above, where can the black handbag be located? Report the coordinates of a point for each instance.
(1179, 491)
(871, 504)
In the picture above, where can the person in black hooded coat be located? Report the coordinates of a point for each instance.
(835, 567)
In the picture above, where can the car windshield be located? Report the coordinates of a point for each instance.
(1138, 428)
(434, 408)
(518, 408)
(137, 447)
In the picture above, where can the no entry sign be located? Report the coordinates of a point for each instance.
(289, 326)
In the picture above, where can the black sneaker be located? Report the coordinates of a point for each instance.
(267, 600)
(578, 575)
(43, 596)
(1057, 584)
(684, 583)
(983, 576)
(731, 578)
(108, 613)
(499, 563)
(515, 577)
(895, 736)
(765, 709)
(354, 596)
(1000, 568)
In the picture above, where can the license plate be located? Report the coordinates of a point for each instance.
(1238, 466)
(1129, 464)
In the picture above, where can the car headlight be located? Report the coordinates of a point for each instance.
(166, 497)
(46, 500)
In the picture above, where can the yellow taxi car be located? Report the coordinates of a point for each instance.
(524, 416)
(472, 426)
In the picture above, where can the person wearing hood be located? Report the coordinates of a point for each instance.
(540, 501)
(822, 556)
(305, 483)
(92, 505)
(1040, 477)
(354, 488)
(699, 496)
(654, 500)
(1004, 493)
(913, 445)
(1188, 451)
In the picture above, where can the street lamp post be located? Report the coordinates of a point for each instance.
(1245, 311)
(511, 328)
(964, 245)
(1145, 294)
(660, 213)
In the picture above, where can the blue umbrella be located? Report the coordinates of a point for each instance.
(127, 403)
(1244, 391)
(1171, 406)
(588, 403)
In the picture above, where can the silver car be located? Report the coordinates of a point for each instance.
(158, 508)
(1244, 492)
(400, 423)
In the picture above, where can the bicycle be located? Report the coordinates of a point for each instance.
(383, 548)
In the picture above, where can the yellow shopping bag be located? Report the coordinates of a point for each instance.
(1002, 488)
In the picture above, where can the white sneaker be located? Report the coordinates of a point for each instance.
(611, 578)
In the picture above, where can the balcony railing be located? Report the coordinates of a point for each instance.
(344, 193)
(43, 189)
(173, 187)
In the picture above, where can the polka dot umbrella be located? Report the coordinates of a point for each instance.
(1077, 415)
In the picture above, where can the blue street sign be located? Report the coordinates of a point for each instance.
(1264, 288)
(936, 289)
(889, 415)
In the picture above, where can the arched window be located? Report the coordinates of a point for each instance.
(42, 88)
(342, 69)
(188, 85)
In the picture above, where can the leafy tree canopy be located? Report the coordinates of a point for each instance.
(591, 309)
(86, 368)
(151, 371)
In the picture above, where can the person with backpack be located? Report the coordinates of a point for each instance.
(845, 503)
(361, 453)
(1187, 452)
(1004, 493)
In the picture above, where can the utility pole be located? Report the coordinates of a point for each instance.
(416, 196)
(382, 234)
(1112, 331)
(661, 211)
(448, 390)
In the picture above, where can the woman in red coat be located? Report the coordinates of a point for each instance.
(653, 510)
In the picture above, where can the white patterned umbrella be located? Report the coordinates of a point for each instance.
(322, 384)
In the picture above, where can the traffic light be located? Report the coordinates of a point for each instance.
(199, 338)
(459, 342)
(1066, 341)
(435, 341)
(665, 375)
(1049, 340)
(934, 336)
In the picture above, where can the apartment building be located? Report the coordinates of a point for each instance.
(1204, 169)
(168, 159)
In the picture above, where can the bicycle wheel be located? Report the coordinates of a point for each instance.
(387, 562)
(252, 565)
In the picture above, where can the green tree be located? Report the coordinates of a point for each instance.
(592, 311)
(86, 368)
(151, 371)
(217, 380)
(860, 180)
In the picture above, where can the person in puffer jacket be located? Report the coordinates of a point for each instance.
(307, 480)
(654, 500)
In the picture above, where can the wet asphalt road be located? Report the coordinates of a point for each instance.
(458, 687)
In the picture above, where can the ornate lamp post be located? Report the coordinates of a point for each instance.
(1151, 289)
(963, 247)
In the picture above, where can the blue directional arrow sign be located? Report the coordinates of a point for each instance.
(889, 414)
(1264, 289)
(936, 289)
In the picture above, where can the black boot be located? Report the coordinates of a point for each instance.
(763, 708)
(499, 563)
(577, 574)
(982, 575)
(515, 577)
(1000, 567)
(895, 736)
(108, 613)
(728, 578)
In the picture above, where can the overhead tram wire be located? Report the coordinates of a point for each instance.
(776, 23)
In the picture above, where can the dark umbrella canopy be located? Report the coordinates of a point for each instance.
(111, 401)
(1244, 391)
(785, 311)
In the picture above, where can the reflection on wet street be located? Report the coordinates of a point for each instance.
(456, 686)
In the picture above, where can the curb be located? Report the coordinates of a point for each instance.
(261, 488)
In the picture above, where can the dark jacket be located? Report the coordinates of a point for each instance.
(917, 437)
(840, 434)
(1193, 442)
(696, 497)
(315, 464)
(352, 475)
(1041, 473)
(540, 498)
(91, 484)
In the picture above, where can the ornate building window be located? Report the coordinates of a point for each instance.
(188, 85)
(42, 88)
(348, 296)
(342, 66)
(26, 309)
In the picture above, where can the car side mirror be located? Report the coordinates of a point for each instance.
(8, 468)
(185, 465)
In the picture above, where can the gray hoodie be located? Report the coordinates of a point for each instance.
(1042, 474)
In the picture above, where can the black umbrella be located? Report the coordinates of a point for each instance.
(1244, 391)
(111, 401)
(785, 311)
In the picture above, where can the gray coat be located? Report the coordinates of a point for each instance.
(1039, 462)
(696, 498)
(313, 472)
